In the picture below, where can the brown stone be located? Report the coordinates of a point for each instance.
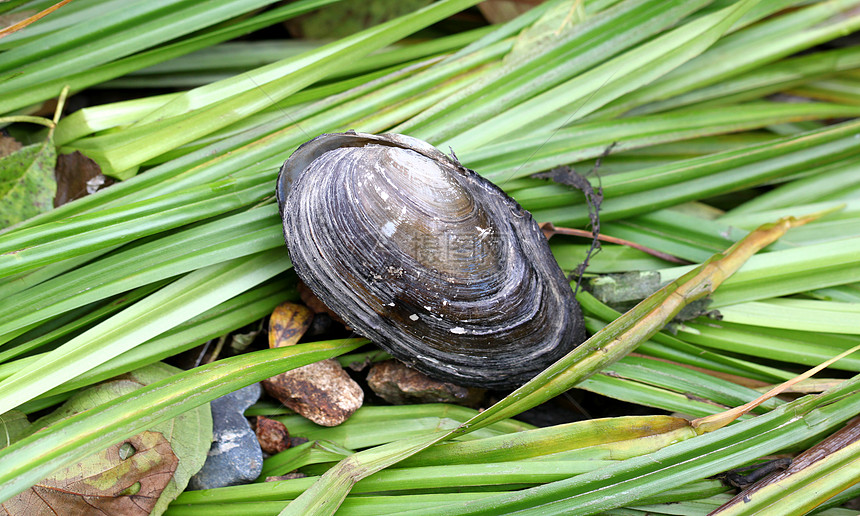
(398, 384)
(321, 392)
(273, 435)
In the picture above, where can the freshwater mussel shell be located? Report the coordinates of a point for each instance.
(426, 258)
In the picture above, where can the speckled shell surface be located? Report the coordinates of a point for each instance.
(430, 261)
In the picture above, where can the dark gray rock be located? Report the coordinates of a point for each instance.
(235, 457)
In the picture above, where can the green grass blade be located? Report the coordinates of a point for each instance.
(544, 150)
(794, 346)
(122, 151)
(748, 49)
(77, 81)
(145, 262)
(576, 48)
(130, 29)
(645, 190)
(234, 313)
(797, 314)
(606, 82)
(626, 482)
(760, 82)
(72, 321)
(30, 249)
(808, 482)
(172, 305)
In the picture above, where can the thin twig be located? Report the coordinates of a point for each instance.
(549, 230)
(36, 17)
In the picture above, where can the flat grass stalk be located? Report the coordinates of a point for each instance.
(677, 464)
(588, 91)
(766, 343)
(119, 152)
(749, 49)
(77, 81)
(181, 300)
(145, 262)
(35, 250)
(525, 155)
(578, 47)
(234, 313)
(758, 83)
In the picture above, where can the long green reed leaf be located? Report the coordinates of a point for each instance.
(170, 306)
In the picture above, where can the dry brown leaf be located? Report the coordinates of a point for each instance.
(289, 321)
(140, 475)
(104, 483)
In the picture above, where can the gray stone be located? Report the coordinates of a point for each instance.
(235, 457)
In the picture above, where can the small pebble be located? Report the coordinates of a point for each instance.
(321, 392)
(396, 383)
(235, 457)
(273, 435)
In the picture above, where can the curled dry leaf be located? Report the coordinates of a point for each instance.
(398, 384)
(321, 392)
